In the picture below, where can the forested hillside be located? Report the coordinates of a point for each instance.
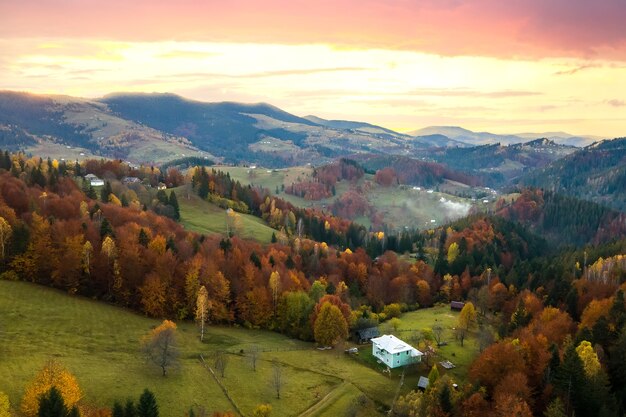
(560, 314)
(596, 173)
(562, 219)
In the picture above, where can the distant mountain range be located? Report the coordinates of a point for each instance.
(155, 128)
(161, 127)
(471, 138)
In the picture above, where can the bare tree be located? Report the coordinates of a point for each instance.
(485, 338)
(277, 377)
(461, 333)
(220, 361)
(254, 354)
(160, 346)
(438, 333)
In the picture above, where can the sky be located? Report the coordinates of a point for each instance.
(509, 66)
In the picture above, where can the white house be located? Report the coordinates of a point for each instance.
(94, 180)
(393, 352)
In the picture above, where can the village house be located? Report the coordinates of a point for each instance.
(130, 180)
(94, 181)
(365, 335)
(457, 305)
(393, 352)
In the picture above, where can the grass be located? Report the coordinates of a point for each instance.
(461, 356)
(400, 205)
(204, 217)
(100, 345)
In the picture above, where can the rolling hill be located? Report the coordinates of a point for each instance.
(162, 127)
(498, 164)
(596, 173)
(485, 138)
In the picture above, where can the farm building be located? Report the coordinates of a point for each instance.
(130, 180)
(94, 181)
(393, 352)
(423, 383)
(365, 335)
(457, 305)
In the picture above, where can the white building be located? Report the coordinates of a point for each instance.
(393, 352)
(94, 180)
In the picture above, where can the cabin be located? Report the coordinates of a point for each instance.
(423, 383)
(457, 305)
(161, 186)
(365, 335)
(394, 352)
(130, 180)
(94, 181)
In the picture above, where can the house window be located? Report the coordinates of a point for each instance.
(397, 354)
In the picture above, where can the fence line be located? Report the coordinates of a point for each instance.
(219, 383)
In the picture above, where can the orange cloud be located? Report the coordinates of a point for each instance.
(512, 28)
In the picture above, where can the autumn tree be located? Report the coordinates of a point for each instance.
(5, 235)
(5, 405)
(51, 375)
(467, 320)
(330, 326)
(555, 409)
(433, 375)
(589, 358)
(274, 284)
(161, 347)
(202, 307)
(262, 410)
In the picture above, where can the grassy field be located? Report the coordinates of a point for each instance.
(203, 217)
(400, 205)
(461, 356)
(100, 345)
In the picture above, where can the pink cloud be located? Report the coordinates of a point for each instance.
(512, 28)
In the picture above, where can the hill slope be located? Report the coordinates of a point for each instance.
(497, 163)
(596, 173)
(485, 138)
(161, 127)
(55, 124)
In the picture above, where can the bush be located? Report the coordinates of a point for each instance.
(9, 276)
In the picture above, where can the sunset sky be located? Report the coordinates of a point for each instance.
(503, 66)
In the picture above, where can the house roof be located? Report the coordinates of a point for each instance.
(392, 344)
(423, 382)
(368, 333)
(457, 304)
(91, 177)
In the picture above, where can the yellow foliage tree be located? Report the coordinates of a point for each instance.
(453, 252)
(5, 234)
(588, 356)
(5, 405)
(274, 283)
(467, 318)
(51, 375)
(262, 410)
(114, 200)
(202, 307)
(158, 245)
(330, 326)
